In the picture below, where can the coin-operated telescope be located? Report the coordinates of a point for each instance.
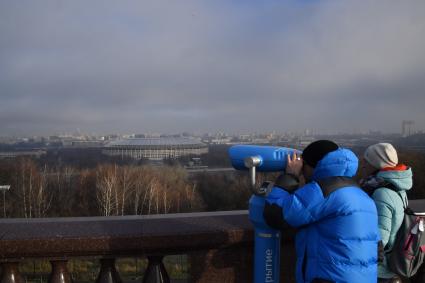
(267, 240)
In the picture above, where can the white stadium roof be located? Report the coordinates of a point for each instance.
(166, 141)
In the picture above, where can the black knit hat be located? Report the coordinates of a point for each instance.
(315, 151)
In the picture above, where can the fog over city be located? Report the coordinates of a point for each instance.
(236, 66)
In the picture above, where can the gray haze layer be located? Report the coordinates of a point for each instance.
(237, 66)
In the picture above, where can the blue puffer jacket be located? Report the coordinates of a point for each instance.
(338, 234)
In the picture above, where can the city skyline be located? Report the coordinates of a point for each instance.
(301, 133)
(210, 66)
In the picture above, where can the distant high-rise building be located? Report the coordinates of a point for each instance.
(406, 128)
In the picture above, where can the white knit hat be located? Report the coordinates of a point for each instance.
(381, 155)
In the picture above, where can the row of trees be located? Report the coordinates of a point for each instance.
(41, 190)
(111, 189)
(105, 190)
(122, 190)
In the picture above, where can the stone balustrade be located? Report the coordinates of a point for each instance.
(219, 245)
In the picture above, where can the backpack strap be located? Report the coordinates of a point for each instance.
(392, 187)
(330, 185)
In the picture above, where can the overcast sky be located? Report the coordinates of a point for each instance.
(199, 66)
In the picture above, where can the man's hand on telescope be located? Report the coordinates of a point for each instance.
(294, 165)
(290, 179)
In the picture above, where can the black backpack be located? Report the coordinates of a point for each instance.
(408, 252)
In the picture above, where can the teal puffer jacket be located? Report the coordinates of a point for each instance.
(390, 204)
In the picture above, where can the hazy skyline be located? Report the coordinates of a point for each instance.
(235, 66)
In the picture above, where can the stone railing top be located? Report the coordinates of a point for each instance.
(129, 235)
(123, 236)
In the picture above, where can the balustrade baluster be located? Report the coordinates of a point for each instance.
(156, 272)
(60, 272)
(10, 273)
(108, 273)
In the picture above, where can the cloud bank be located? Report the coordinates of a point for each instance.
(239, 66)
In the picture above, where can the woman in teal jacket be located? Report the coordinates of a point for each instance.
(387, 182)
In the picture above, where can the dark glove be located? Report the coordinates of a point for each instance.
(288, 182)
(273, 215)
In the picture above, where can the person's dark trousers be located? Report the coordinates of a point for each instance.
(395, 279)
(419, 276)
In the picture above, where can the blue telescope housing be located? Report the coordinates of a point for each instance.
(272, 158)
(267, 239)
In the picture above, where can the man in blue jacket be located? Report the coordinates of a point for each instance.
(337, 238)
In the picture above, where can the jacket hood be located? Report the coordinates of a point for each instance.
(402, 180)
(339, 163)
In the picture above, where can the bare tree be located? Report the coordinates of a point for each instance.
(23, 172)
(127, 180)
(42, 199)
(106, 182)
(164, 190)
(139, 189)
(33, 189)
